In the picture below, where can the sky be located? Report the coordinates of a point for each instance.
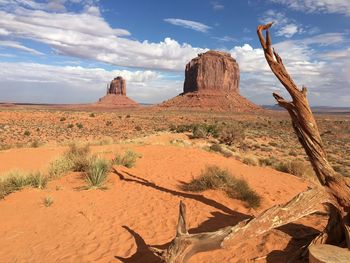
(67, 51)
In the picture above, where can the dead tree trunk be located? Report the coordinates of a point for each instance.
(335, 189)
(304, 124)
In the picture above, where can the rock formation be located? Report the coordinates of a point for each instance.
(212, 83)
(116, 95)
(211, 72)
(117, 86)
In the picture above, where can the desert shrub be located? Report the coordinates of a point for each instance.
(199, 132)
(231, 134)
(79, 156)
(128, 116)
(92, 115)
(270, 161)
(15, 180)
(35, 144)
(96, 174)
(79, 125)
(48, 201)
(250, 161)
(63, 119)
(128, 159)
(108, 123)
(293, 153)
(70, 126)
(59, 167)
(204, 130)
(138, 128)
(216, 148)
(294, 167)
(214, 177)
(26, 133)
(38, 180)
(181, 128)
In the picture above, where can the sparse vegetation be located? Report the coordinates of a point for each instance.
(79, 125)
(214, 177)
(59, 167)
(63, 119)
(96, 174)
(79, 156)
(128, 159)
(231, 134)
(16, 180)
(26, 133)
(92, 115)
(48, 201)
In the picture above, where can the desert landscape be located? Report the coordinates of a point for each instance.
(204, 176)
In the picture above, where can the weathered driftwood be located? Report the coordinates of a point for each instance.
(184, 245)
(335, 189)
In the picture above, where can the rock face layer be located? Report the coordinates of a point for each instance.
(116, 95)
(117, 86)
(212, 71)
(212, 83)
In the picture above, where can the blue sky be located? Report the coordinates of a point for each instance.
(66, 51)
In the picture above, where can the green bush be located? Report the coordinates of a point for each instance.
(96, 174)
(215, 178)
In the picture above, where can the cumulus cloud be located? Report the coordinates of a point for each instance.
(318, 6)
(197, 26)
(326, 75)
(33, 82)
(89, 36)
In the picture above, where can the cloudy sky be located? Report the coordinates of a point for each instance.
(66, 51)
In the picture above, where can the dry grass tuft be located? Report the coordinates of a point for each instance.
(214, 177)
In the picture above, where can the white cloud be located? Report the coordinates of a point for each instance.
(89, 36)
(284, 26)
(319, 6)
(225, 39)
(217, 5)
(33, 82)
(197, 26)
(326, 75)
(16, 45)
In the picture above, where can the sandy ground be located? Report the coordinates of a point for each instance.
(139, 207)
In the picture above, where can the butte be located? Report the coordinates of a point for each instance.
(116, 95)
(212, 83)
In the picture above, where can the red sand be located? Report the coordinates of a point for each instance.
(142, 208)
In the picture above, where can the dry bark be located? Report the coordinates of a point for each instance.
(184, 245)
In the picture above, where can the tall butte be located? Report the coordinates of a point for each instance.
(212, 83)
(116, 95)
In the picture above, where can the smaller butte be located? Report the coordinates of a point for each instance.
(116, 95)
(212, 83)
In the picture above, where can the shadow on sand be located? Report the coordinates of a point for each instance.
(301, 235)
